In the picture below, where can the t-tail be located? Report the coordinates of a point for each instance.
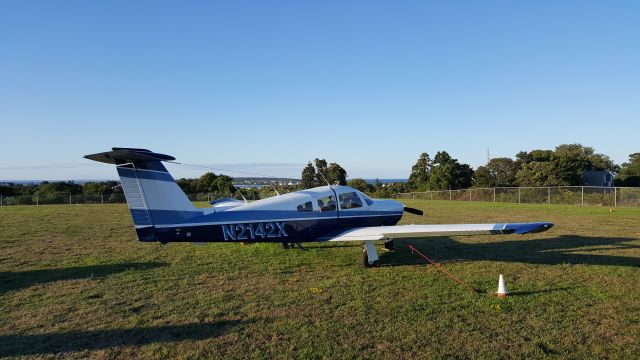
(153, 196)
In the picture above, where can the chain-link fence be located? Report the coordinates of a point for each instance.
(575, 195)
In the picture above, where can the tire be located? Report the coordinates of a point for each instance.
(365, 260)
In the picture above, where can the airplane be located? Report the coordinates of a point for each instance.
(162, 212)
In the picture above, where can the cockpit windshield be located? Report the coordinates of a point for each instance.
(365, 197)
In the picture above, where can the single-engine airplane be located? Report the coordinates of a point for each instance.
(162, 212)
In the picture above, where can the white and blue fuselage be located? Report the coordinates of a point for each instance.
(162, 213)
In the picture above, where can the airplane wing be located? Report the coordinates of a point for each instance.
(409, 231)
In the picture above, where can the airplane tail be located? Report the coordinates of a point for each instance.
(153, 196)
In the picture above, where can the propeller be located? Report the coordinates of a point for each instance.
(413, 211)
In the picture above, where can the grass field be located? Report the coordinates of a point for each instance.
(75, 283)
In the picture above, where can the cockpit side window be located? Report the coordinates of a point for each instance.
(306, 207)
(350, 200)
(327, 203)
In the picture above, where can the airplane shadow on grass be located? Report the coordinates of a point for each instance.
(560, 250)
(56, 343)
(10, 281)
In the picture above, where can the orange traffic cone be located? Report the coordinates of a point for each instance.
(502, 290)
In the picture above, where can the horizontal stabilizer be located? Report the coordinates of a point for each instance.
(119, 156)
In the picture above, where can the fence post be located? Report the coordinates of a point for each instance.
(549, 195)
(37, 200)
(101, 199)
(449, 194)
(518, 195)
(582, 196)
(469, 190)
(1, 200)
(69, 199)
(615, 197)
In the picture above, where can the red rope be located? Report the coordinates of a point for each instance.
(441, 268)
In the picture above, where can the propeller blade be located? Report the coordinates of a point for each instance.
(413, 211)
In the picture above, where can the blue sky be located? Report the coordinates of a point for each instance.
(266, 86)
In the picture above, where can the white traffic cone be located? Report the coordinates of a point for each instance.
(502, 290)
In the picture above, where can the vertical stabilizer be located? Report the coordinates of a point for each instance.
(153, 196)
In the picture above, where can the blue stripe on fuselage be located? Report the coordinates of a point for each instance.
(305, 230)
(160, 217)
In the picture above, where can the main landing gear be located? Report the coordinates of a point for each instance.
(369, 254)
(291, 245)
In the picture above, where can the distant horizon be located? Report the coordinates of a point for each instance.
(82, 181)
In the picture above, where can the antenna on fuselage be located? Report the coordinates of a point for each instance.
(324, 178)
(243, 198)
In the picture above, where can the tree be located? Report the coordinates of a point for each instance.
(207, 183)
(419, 176)
(308, 176)
(9, 189)
(321, 171)
(336, 174)
(483, 177)
(537, 173)
(224, 185)
(570, 161)
(50, 188)
(565, 165)
(189, 186)
(448, 173)
(630, 172)
(441, 177)
(221, 185)
(97, 188)
(362, 185)
(497, 172)
(631, 168)
(377, 185)
(602, 162)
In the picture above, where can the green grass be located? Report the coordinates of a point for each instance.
(75, 283)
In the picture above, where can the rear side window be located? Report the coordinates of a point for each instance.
(327, 203)
(350, 200)
(306, 207)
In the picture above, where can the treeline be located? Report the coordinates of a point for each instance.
(563, 166)
(208, 186)
(212, 186)
(47, 188)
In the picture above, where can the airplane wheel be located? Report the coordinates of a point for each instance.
(287, 246)
(389, 245)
